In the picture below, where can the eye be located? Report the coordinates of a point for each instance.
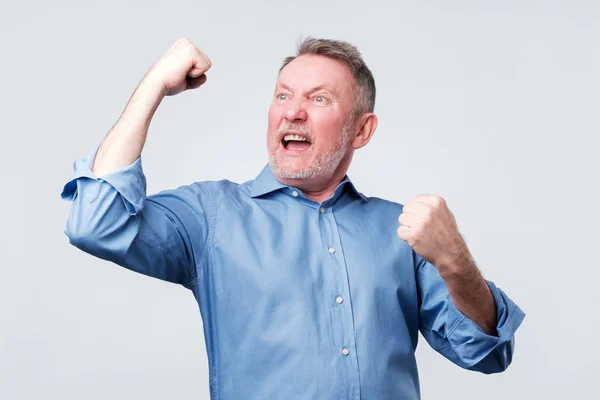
(320, 99)
(281, 96)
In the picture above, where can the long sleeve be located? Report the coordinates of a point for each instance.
(111, 217)
(457, 337)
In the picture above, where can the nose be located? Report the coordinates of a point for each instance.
(295, 111)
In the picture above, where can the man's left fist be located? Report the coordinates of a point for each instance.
(428, 226)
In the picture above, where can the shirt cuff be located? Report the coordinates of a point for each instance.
(470, 342)
(129, 182)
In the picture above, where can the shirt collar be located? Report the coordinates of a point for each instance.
(266, 182)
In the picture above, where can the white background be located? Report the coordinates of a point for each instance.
(492, 105)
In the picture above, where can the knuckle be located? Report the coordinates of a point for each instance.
(426, 224)
(190, 48)
(428, 214)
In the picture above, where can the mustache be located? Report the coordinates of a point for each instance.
(290, 126)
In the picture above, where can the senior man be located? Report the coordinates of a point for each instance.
(307, 288)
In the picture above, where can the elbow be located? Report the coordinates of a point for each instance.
(99, 222)
(82, 236)
(497, 361)
(103, 237)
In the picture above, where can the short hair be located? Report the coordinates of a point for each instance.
(364, 83)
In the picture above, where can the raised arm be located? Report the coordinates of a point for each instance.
(181, 68)
(111, 217)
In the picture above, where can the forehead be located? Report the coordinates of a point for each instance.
(309, 71)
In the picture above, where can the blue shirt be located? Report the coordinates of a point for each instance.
(299, 300)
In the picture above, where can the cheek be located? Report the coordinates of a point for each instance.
(329, 130)
(275, 116)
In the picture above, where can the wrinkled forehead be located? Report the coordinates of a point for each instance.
(311, 71)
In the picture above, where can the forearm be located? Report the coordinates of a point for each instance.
(469, 291)
(125, 141)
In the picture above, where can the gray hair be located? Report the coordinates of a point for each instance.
(364, 83)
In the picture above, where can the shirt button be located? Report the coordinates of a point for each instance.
(339, 299)
(295, 194)
(345, 351)
(331, 250)
(322, 210)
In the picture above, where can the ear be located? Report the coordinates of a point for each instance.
(366, 124)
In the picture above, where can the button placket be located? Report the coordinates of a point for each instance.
(343, 313)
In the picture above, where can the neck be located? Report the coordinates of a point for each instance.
(320, 193)
(320, 188)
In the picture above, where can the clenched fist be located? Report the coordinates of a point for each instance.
(182, 67)
(429, 227)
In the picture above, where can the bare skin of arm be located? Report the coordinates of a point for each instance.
(468, 290)
(182, 67)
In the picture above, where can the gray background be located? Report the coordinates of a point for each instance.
(488, 104)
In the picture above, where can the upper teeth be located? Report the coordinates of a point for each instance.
(287, 138)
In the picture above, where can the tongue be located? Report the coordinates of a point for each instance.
(297, 146)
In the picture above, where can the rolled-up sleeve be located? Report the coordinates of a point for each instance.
(456, 336)
(129, 182)
(112, 218)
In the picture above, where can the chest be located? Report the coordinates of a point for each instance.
(303, 256)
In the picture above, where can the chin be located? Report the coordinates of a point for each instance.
(287, 172)
(284, 169)
(306, 166)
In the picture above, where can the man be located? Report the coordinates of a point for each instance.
(307, 288)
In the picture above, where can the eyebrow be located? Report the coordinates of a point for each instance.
(313, 90)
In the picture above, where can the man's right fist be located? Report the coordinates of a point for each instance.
(182, 67)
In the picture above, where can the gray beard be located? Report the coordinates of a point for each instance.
(323, 165)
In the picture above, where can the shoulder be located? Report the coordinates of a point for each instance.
(215, 192)
(382, 206)
(374, 211)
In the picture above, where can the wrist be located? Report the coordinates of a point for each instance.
(457, 265)
(152, 86)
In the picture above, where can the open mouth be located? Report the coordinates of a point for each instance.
(295, 142)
